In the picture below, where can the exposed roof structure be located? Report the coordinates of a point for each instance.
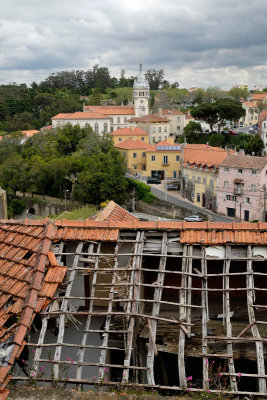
(81, 115)
(244, 161)
(111, 110)
(131, 131)
(137, 303)
(149, 118)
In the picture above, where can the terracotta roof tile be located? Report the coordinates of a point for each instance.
(131, 131)
(244, 161)
(111, 110)
(134, 144)
(204, 155)
(149, 118)
(113, 212)
(81, 115)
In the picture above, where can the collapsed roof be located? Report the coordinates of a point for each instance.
(125, 297)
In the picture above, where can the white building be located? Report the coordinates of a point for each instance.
(141, 94)
(100, 123)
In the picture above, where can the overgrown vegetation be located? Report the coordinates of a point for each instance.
(143, 191)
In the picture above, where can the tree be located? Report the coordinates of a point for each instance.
(238, 93)
(217, 112)
(193, 132)
(155, 78)
(216, 140)
(254, 145)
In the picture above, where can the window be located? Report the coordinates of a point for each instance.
(198, 197)
(240, 170)
(105, 127)
(135, 166)
(159, 128)
(254, 171)
(198, 179)
(142, 138)
(111, 129)
(165, 137)
(143, 154)
(165, 129)
(228, 197)
(211, 183)
(226, 169)
(253, 188)
(96, 127)
(111, 120)
(125, 119)
(178, 128)
(153, 158)
(174, 174)
(178, 118)
(154, 129)
(204, 181)
(160, 138)
(193, 179)
(154, 139)
(177, 158)
(124, 154)
(165, 160)
(226, 184)
(247, 200)
(134, 155)
(118, 120)
(120, 139)
(143, 167)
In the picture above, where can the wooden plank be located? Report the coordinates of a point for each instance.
(226, 311)
(133, 307)
(152, 350)
(254, 328)
(182, 318)
(81, 351)
(62, 316)
(204, 301)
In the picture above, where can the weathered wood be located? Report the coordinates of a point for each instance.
(254, 328)
(182, 318)
(227, 310)
(152, 350)
(89, 317)
(62, 314)
(204, 301)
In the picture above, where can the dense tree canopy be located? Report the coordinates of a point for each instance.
(85, 163)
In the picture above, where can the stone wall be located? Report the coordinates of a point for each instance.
(3, 204)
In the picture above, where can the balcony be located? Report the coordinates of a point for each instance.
(165, 164)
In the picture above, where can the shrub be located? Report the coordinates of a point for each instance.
(143, 191)
(17, 206)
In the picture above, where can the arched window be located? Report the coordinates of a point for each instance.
(105, 127)
(96, 127)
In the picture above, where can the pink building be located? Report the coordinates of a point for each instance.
(242, 186)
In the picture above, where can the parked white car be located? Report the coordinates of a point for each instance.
(193, 218)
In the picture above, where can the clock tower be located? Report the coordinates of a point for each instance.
(141, 94)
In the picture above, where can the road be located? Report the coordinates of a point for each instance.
(176, 199)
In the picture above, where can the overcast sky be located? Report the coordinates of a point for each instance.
(197, 42)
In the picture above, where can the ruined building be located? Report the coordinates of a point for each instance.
(163, 305)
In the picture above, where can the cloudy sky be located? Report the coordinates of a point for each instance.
(197, 42)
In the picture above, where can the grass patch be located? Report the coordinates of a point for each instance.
(78, 214)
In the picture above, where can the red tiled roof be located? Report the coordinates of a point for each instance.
(172, 112)
(47, 128)
(113, 212)
(30, 133)
(111, 110)
(259, 96)
(244, 161)
(81, 115)
(134, 144)
(149, 118)
(250, 104)
(130, 132)
(25, 284)
(204, 155)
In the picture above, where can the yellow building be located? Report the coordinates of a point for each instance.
(200, 173)
(135, 154)
(163, 160)
(121, 135)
